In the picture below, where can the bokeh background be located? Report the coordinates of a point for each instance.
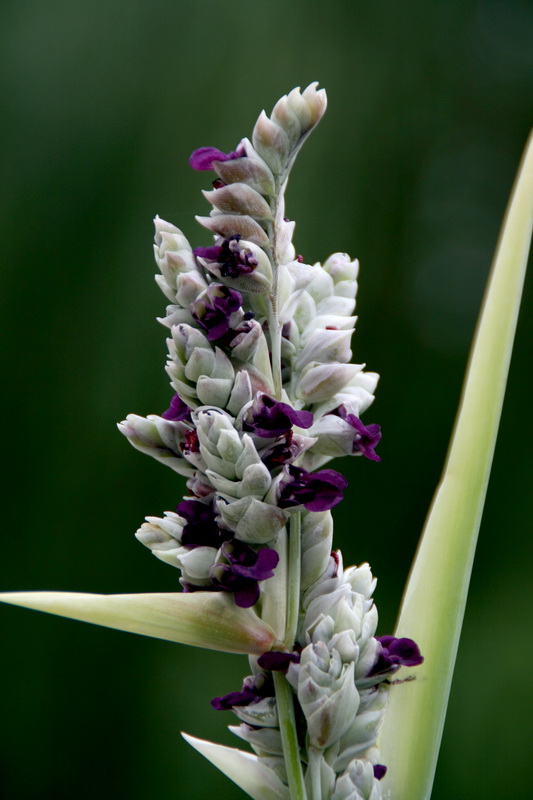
(430, 106)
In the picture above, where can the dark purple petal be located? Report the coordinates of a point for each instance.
(406, 651)
(210, 253)
(202, 159)
(280, 453)
(213, 309)
(247, 595)
(379, 771)
(201, 529)
(263, 568)
(227, 701)
(245, 569)
(270, 418)
(317, 491)
(178, 410)
(232, 261)
(277, 660)
(396, 653)
(253, 689)
(366, 437)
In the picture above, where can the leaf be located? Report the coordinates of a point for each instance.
(435, 598)
(244, 769)
(202, 619)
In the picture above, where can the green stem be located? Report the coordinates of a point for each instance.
(289, 737)
(293, 587)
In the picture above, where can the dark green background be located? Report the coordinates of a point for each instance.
(430, 106)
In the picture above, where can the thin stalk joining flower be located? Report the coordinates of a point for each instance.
(289, 737)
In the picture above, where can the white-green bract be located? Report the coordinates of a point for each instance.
(264, 396)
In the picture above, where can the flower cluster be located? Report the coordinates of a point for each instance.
(265, 394)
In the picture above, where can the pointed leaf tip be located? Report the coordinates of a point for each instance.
(204, 619)
(244, 769)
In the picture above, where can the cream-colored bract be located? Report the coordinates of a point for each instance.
(244, 769)
(203, 619)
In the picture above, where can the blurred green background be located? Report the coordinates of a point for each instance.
(430, 106)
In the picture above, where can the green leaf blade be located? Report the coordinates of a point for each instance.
(435, 598)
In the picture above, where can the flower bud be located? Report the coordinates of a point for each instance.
(251, 170)
(363, 732)
(341, 268)
(158, 438)
(309, 106)
(252, 520)
(241, 394)
(326, 346)
(173, 256)
(320, 382)
(326, 692)
(357, 783)
(195, 564)
(228, 225)
(238, 198)
(272, 143)
(263, 713)
(317, 536)
(264, 741)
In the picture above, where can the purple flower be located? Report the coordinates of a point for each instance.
(270, 418)
(178, 410)
(279, 454)
(202, 159)
(253, 690)
(213, 309)
(396, 653)
(201, 529)
(379, 771)
(317, 491)
(366, 438)
(231, 260)
(245, 569)
(277, 660)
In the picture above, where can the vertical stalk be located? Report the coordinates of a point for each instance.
(275, 348)
(284, 692)
(289, 737)
(293, 588)
(314, 780)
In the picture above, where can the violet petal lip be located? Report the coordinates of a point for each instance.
(316, 491)
(178, 410)
(269, 418)
(277, 660)
(396, 653)
(366, 437)
(246, 568)
(201, 529)
(202, 158)
(253, 689)
(232, 261)
(213, 309)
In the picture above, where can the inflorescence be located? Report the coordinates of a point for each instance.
(264, 396)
